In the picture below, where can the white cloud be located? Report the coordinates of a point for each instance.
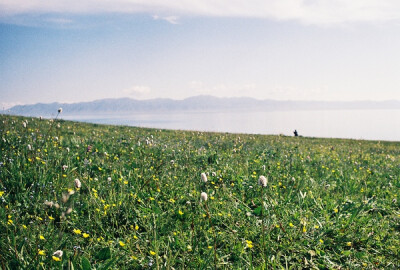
(305, 11)
(170, 19)
(137, 91)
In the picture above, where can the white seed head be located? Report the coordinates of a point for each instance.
(58, 253)
(77, 183)
(203, 196)
(204, 177)
(262, 181)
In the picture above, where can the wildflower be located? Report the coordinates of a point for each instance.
(262, 181)
(321, 241)
(69, 210)
(249, 244)
(335, 210)
(152, 253)
(41, 237)
(136, 227)
(180, 212)
(64, 167)
(203, 196)
(348, 244)
(41, 252)
(1, 193)
(85, 235)
(51, 218)
(189, 248)
(57, 255)
(209, 247)
(204, 177)
(291, 224)
(60, 110)
(77, 231)
(77, 183)
(24, 124)
(29, 147)
(122, 244)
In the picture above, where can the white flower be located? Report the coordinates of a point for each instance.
(262, 181)
(64, 167)
(29, 147)
(58, 254)
(203, 196)
(77, 183)
(109, 179)
(67, 149)
(204, 177)
(24, 124)
(60, 110)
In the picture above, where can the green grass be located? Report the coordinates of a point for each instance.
(328, 204)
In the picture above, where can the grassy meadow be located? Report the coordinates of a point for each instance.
(328, 203)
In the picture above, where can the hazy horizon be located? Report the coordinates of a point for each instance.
(79, 51)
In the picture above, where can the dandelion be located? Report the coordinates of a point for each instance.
(203, 196)
(41, 252)
(77, 231)
(348, 244)
(249, 244)
(335, 210)
(41, 237)
(262, 181)
(85, 235)
(180, 212)
(1, 193)
(77, 183)
(204, 177)
(152, 253)
(122, 244)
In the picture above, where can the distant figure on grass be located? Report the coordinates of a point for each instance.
(295, 133)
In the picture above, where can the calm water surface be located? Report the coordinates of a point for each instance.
(355, 124)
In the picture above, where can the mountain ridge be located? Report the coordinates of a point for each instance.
(194, 103)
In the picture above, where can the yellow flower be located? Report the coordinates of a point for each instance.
(291, 224)
(122, 244)
(335, 210)
(134, 258)
(24, 226)
(304, 229)
(249, 244)
(1, 193)
(56, 259)
(136, 227)
(85, 235)
(77, 231)
(41, 237)
(210, 247)
(126, 182)
(41, 252)
(180, 212)
(51, 218)
(10, 222)
(348, 244)
(152, 253)
(321, 241)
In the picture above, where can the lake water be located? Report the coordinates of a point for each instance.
(354, 124)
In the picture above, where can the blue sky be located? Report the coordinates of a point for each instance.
(69, 51)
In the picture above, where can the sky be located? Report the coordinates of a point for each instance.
(72, 51)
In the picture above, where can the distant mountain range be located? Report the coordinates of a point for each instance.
(196, 103)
